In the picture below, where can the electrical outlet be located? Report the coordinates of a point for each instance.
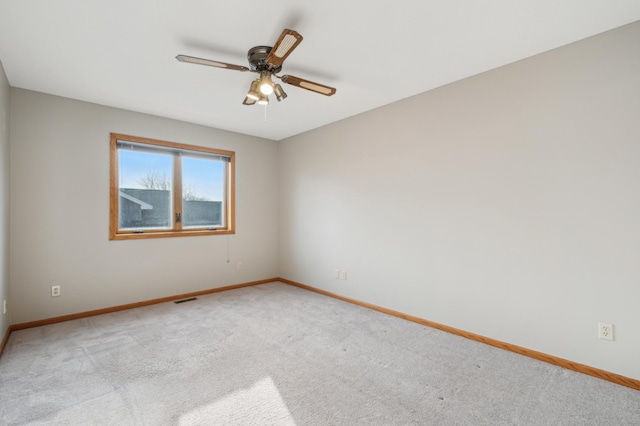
(55, 290)
(605, 331)
(4, 306)
(343, 275)
(240, 267)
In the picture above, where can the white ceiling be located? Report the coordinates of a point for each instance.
(121, 53)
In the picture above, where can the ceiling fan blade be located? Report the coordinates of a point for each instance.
(289, 40)
(200, 61)
(309, 85)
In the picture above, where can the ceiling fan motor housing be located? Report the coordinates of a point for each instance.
(257, 57)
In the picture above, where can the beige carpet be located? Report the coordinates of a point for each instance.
(276, 354)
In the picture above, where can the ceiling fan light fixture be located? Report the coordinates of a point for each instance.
(254, 90)
(266, 85)
(279, 92)
(263, 100)
(248, 101)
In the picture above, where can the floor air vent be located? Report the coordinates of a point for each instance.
(186, 300)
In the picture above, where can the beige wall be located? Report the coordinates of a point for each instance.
(60, 210)
(4, 200)
(506, 204)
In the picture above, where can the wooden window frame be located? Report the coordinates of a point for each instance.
(177, 231)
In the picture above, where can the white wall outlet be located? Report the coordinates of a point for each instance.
(4, 306)
(336, 274)
(240, 266)
(343, 275)
(55, 290)
(605, 331)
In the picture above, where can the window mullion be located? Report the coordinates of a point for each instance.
(177, 192)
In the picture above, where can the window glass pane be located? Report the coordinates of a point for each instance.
(145, 187)
(203, 183)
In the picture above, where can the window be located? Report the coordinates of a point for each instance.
(167, 189)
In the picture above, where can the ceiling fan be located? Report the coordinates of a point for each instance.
(267, 61)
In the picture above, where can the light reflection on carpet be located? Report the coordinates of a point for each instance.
(259, 404)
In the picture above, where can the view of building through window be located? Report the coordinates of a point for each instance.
(202, 191)
(146, 185)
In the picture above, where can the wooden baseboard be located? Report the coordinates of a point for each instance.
(86, 314)
(560, 362)
(5, 339)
